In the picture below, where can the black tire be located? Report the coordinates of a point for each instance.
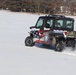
(29, 41)
(58, 46)
(73, 44)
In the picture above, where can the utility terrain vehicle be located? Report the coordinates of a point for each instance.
(56, 30)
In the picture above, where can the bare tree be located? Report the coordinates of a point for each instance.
(38, 4)
(71, 4)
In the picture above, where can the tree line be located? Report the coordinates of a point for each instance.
(40, 6)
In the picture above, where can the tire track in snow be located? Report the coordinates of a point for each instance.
(68, 53)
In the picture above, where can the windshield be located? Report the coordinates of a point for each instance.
(39, 23)
(44, 22)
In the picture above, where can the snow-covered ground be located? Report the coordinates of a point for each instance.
(17, 59)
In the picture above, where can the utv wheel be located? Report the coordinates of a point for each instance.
(29, 41)
(73, 44)
(58, 47)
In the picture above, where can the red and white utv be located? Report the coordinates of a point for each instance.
(56, 30)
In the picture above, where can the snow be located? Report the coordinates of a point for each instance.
(18, 59)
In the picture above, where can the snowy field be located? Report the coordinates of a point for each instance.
(17, 59)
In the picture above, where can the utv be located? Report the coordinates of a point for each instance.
(56, 30)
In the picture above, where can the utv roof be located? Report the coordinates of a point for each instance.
(56, 16)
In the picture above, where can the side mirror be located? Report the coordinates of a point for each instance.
(32, 27)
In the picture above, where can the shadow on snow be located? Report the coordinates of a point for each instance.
(45, 47)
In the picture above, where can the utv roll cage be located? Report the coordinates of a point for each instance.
(55, 18)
